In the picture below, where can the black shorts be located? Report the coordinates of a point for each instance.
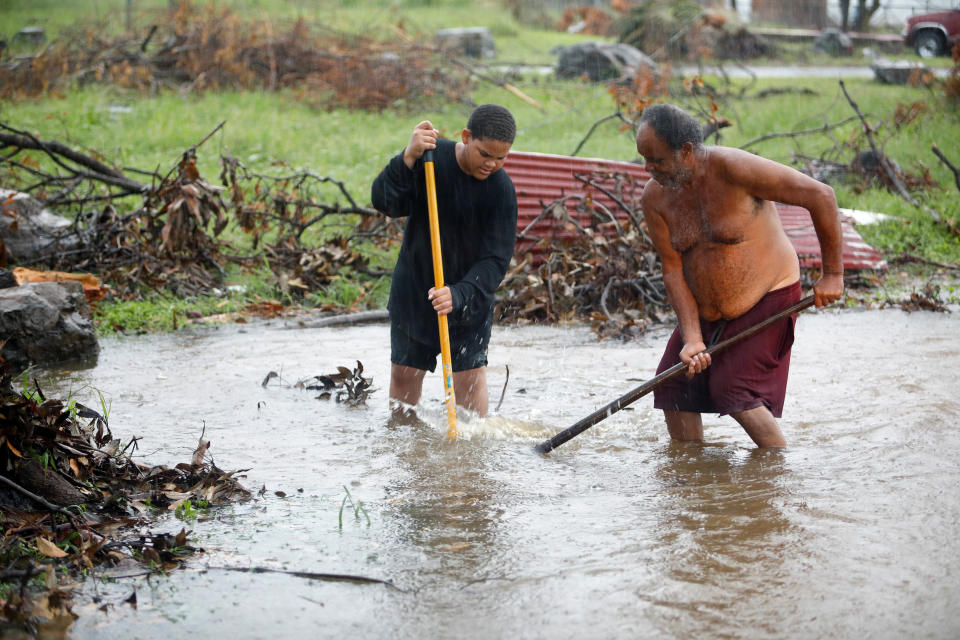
(468, 349)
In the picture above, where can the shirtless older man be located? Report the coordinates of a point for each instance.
(728, 264)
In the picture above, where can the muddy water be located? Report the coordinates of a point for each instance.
(852, 531)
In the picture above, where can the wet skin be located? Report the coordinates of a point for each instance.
(711, 217)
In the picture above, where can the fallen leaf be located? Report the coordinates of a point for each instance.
(49, 549)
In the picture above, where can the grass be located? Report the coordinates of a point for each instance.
(275, 133)
(381, 19)
(160, 311)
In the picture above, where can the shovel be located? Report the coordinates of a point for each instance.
(445, 358)
(605, 412)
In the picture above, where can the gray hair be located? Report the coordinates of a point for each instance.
(673, 125)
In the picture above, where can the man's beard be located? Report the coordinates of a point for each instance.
(677, 179)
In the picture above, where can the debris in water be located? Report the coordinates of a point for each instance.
(73, 501)
(347, 386)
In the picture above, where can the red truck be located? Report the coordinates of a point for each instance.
(933, 34)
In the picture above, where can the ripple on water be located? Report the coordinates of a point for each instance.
(851, 531)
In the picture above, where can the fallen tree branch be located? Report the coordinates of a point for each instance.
(503, 392)
(944, 160)
(348, 319)
(56, 150)
(630, 212)
(500, 83)
(618, 115)
(884, 161)
(826, 128)
(905, 258)
(311, 575)
(38, 499)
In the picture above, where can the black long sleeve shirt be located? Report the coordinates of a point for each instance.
(478, 227)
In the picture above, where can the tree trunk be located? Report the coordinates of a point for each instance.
(49, 484)
(864, 14)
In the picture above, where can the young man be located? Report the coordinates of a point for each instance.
(477, 210)
(728, 264)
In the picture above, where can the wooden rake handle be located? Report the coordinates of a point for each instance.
(449, 396)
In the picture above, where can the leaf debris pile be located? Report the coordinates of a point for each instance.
(204, 47)
(683, 29)
(285, 207)
(74, 501)
(346, 386)
(171, 238)
(599, 270)
(927, 299)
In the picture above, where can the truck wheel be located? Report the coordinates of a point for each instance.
(928, 44)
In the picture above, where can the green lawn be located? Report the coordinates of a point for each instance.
(276, 133)
(381, 19)
(264, 129)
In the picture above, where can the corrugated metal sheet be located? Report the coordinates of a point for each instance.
(600, 186)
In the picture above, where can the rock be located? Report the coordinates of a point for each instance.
(870, 164)
(474, 42)
(733, 44)
(7, 279)
(46, 323)
(32, 36)
(833, 42)
(601, 61)
(901, 72)
(31, 233)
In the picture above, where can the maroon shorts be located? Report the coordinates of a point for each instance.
(745, 376)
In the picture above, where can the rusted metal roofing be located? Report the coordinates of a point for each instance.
(605, 185)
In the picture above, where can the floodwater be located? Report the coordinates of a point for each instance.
(852, 531)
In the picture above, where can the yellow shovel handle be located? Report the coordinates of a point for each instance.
(445, 358)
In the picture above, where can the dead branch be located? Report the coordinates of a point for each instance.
(310, 575)
(603, 298)
(503, 391)
(168, 238)
(905, 258)
(884, 161)
(346, 319)
(617, 198)
(208, 48)
(946, 161)
(601, 273)
(618, 115)
(59, 152)
(826, 128)
(498, 82)
(46, 504)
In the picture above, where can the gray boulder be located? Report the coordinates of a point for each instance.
(31, 233)
(46, 323)
(833, 42)
(7, 279)
(473, 42)
(31, 36)
(900, 72)
(601, 61)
